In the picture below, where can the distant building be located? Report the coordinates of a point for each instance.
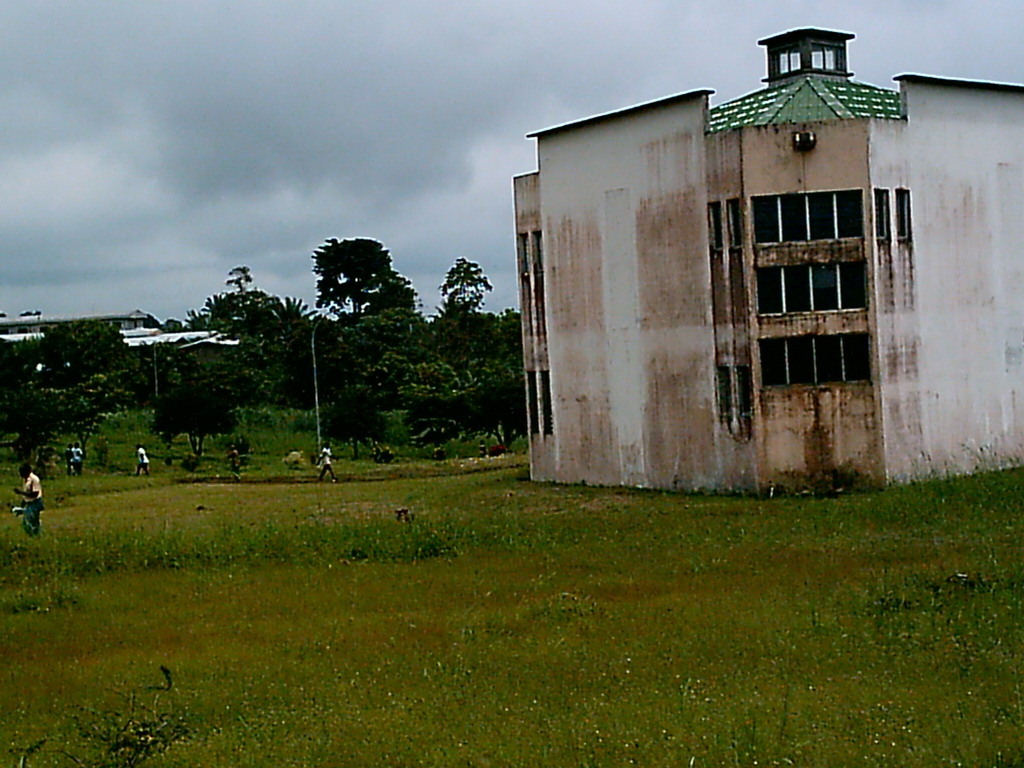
(138, 328)
(31, 323)
(814, 284)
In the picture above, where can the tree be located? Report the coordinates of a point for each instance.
(240, 277)
(355, 278)
(436, 404)
(196, 409)
(464, 288)
(75, 353)
(33, 415)
(91, 371)
(354, 417)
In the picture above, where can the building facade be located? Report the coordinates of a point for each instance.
(817, 284)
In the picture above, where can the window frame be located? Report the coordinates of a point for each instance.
(797, 287)
(788, 361)
(787, 216)
(883, 215)
(904, 214)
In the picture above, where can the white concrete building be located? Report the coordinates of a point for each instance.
(819, 283)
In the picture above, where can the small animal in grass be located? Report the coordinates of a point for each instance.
(403, 515)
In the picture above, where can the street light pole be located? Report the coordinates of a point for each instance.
(316, 387)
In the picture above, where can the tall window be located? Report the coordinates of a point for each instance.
(815, 359)
(538, 283)
(734, 392)
(734, 216)
(811, 288)
(546, 410)
(808, 216)
(715, 225)
(904, 229)
(723, 385)
(532, 401)
(883, 230)
(525, 285)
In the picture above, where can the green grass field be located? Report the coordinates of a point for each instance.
(510, 624)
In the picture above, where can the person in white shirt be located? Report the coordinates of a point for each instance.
(325, 464)
(142, 468)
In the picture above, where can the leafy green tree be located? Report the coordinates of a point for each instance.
(486, 352)
(354, 417)
(196, 409)
(436, 404)
(464, 288)
(31, 416)
(384, 349)
(271, 361)
(240, 277)
(75, 353)
(461, 330)
(92, 372)
(355, 278)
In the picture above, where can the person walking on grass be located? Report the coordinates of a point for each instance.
(235, 460)
(325, 465)
(32, 493)
(76, 459)
(142, 467)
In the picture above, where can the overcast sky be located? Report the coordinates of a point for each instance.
(147, 147)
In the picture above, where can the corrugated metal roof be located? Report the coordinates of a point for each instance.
(807, 100)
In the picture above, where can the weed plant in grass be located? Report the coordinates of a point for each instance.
(513, 623)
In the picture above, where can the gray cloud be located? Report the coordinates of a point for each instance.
(150, 147)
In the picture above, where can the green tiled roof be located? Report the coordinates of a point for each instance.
(809, 99)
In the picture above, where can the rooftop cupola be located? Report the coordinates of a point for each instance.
(806, 52)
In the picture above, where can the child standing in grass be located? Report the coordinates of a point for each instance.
(32, 492)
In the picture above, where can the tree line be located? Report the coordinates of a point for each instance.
(366, 355)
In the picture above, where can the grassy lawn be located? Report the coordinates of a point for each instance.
(512, 623)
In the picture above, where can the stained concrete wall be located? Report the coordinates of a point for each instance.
(952, 327)
(631, 286)
(810, 434)
(629, 324)
(526, 194)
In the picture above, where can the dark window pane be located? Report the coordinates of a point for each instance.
(738, 286)
(744, 396)
(773, 362)
(856, 359)
(769, 291)
(849, 214)
(903, 230)
(882, 229)
(828, 358)
(853, 284)
(735, 218)
(794, 217)
(823, 216)
(523, 252)
(715, 224)
(798, 289)
(766, 219)
(532, 396)
(825, 286)
(800, 356)
(547, 417)
(724, 383)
